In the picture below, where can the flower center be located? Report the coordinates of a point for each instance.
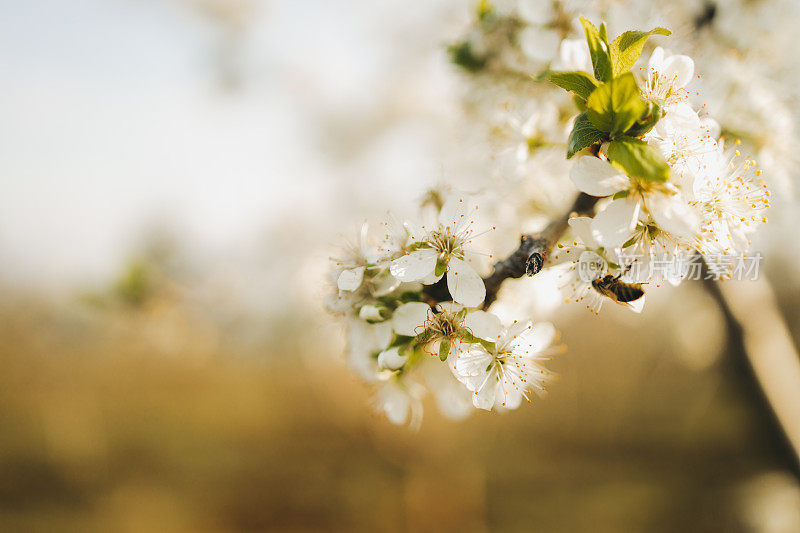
(447, 243)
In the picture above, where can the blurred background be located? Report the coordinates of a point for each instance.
(173, 173)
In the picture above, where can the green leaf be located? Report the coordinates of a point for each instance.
(577, 82)
(441, 266)
(627, 48)
(630, 242)
(463, 55)
(444, 349)
(401, 340)
(620, 194)
(409, 296)
(638, 159)
(490, 346)
(466, 336)
(583, 134)
(647, 121)
(615, 106)
(418, 245)
(598, 49)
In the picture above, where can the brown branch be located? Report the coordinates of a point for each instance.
(529, 257)
(740, 366)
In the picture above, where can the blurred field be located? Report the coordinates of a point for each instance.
(150, 417)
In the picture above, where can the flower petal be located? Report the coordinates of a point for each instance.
(535, 338)
(409, 319)
(590, 267)
(449, 307)
(391, 359)
(485, 397)
(678, 70)
(637, 305)
(415, 265)
(350, 279)
(395, 402)
(613, 226)
(597, 177)
(465, 285)
(673, 215)
(456, 213)
(581, 227)
(656, 59)
(680, 116)
(483, 325)
(509, 399)
(431, 278)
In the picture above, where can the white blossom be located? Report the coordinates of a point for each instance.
(444, 247)
(507, 371)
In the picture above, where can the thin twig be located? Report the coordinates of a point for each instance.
(529, 257)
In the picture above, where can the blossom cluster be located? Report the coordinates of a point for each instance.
(668, 200)
(675, 189)
(405, 344)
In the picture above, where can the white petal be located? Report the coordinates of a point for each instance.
(395, 402)
(637, 305)
(350, 279)
(431, 278)
(484, 398)
(449, 307)
(681, 116)
(564, 254)
(614, 225)
(678, 70)
(384, 283)
(597, 177)
(380, 335)
(456, 213)
(471, 363)
(590, 266)
(391, 359)
(711, 127)
(514, 330)
(370, 313)
(452, 398)
(536, 338)
(415, 265)
(581, 227)
(673, 215)
(409, 319)
(483, 325)
(415, 234)
(509, 399)
(465, 285)
(656, 59)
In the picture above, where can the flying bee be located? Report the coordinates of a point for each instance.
(628, 294)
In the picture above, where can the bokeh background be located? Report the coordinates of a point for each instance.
(173, 173)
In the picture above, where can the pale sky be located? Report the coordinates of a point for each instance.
(113, 117)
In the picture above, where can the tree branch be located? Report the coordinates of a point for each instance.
(529, 257)
(740, 365)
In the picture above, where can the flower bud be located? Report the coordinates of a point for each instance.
(391, 359)
(370, 313)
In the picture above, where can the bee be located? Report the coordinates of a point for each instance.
(627, 294)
